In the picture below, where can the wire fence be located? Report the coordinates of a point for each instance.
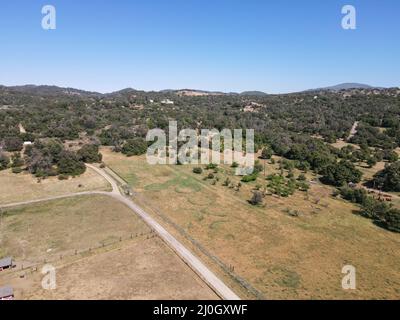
(31, 266)
(228, 269)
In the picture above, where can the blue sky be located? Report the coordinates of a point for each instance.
(228, 45)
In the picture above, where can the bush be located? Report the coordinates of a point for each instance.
(303, 186)
(256, 199)
(226, 182)
(62, 177)
(16, 160)
(4, 161)
(280, 186)
(197, 170)
(354, 195)
(258, 167)
(266, 153)
(211, 166)
(249, 178)
(16, 170)
(301, 177)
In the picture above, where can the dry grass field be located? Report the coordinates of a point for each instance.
(25, 187)
(368, 172)
(52, 228)
(339, 144)
(100, 249)
(280, 255)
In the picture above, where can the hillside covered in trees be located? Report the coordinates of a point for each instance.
(300, 127)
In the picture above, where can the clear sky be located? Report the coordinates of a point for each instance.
(227, 45)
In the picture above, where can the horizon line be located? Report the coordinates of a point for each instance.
(200, 90)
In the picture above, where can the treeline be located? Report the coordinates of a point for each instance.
(115, 118)
(50, 158)
(381, 212)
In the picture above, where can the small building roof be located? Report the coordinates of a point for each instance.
(5, 262)
(6, 292)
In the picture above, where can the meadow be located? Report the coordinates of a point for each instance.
(280, 255)
(100, 249)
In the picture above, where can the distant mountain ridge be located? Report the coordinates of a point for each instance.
(345, 86)
(54, 90)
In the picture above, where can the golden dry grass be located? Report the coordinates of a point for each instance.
(368, 172)
(339, 144)
(282, 256)
(25, 187)
(141, 267)
(49, 229)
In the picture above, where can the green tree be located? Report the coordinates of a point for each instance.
(392, 219)
(134, 147)
(341, 173)
(70, 164)
(389, 178)
(89, 153)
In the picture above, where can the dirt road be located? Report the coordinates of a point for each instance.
(190, 259)
(353, 130)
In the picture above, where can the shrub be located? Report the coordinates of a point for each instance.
(226, 182)
(4, 161)
(266, 153)
(16, 170)
(249, 178)
(354, 195)
(303, 186)
(16, 160)
(211, 166)
(301, 177)
(256, 199)
(258, 167)
(197, 170)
